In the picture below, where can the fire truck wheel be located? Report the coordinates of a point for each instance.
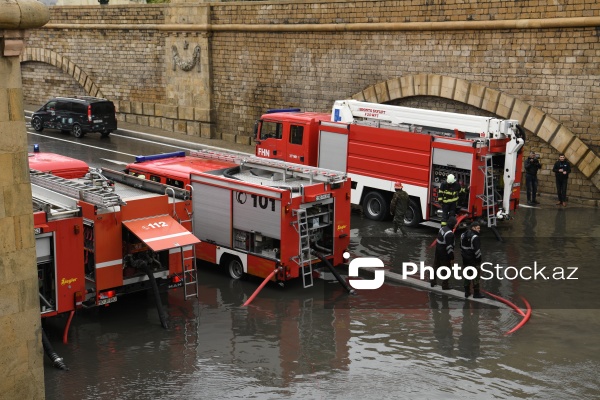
(375, 206)
(413, 214)
(235, 267)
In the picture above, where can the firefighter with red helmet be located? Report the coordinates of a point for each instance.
(398, 208)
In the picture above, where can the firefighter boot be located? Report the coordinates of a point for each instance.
(477, 294)
(445, 284)
(432, 282)
(467, 292)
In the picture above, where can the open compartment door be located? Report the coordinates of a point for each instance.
(161, 232)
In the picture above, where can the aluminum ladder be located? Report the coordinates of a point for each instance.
(489, 201)
(304, 256)
(190, 276)
(100, 196)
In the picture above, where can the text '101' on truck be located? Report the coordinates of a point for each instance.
(254, 216)
(380, 144)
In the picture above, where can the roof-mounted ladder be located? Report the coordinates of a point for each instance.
(296, 170)
(99, 196)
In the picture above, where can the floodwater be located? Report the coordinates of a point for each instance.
(395, 342)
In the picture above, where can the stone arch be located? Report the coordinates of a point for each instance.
(65, 64)
(532, 119)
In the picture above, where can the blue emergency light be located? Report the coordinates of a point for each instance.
(139, 159)
(36, 148)
(278, 110)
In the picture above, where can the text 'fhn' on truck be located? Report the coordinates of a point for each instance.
(380, 144)
(254, 216)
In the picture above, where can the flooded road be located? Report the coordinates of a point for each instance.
(396, 342)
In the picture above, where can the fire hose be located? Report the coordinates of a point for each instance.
(49, 350)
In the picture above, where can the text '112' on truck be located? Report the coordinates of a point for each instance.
(264, 218)
(379, 144)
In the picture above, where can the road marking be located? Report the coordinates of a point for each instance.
(81, 144)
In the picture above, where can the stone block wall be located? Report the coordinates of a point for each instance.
(260, 55)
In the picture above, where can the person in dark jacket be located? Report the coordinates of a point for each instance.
(448, 196)
(561, 170)
(470, 249)
(532, 166)
(444, 251)
(398, 208)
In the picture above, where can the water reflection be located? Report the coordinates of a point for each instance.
(321, 343)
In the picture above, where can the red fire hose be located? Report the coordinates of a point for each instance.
(262, 285)
(458, 221)
(526, 315)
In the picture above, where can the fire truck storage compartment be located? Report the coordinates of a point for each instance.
(255, 219)
(320, 227)
(338, 160)
(44, 247)
(444, 163)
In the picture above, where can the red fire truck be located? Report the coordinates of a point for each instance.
(56, 164)
(96, 241)
(255, 216)
(380, 144)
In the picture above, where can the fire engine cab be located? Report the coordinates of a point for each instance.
(254, 216)
(379, 144)
(96, 240)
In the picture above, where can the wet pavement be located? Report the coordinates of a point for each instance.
(391, 343)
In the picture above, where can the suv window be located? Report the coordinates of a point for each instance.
(51, 106)
(63, 106)
(103, 108)
(79, 108)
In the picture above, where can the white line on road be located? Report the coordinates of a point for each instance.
(82, 144)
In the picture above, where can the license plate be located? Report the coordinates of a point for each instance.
(107, 301)
(97, 121)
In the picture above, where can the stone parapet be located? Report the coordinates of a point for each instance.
(20, 336)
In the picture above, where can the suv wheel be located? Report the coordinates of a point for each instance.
(77, 131)
(37, 124)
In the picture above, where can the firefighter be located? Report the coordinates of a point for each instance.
(470, 249)
(444, 251)
(561, 170)
(398, 208)
(532, 165)
(449, 193)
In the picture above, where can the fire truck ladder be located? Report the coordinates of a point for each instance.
(190, 276)
(295, 170)
(100, 196)
(304, 258)
(488, 198)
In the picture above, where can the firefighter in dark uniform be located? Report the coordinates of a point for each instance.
(470, 249)
(398, 208)
(448, 196)
(444, 251)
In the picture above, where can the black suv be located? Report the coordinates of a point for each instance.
(78, 115)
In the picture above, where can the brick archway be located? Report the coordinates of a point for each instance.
(68, 67)
(534, 120)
